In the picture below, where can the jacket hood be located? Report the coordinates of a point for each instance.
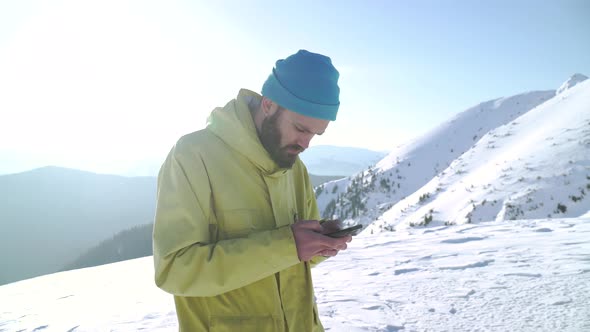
(234, 125)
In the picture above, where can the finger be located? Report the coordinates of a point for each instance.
(309, 224)
(328, 253)
(334, 243)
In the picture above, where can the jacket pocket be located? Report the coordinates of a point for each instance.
(237, 223)
(245, 324)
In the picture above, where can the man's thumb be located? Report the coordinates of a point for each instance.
(310, 224)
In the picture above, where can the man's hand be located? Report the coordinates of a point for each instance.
(330, 226)
(311, 242)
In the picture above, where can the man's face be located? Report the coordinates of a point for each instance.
(285, 134)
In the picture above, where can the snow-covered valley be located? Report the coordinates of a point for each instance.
(523, 275)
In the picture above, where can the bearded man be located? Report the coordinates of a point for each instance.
(237, 224)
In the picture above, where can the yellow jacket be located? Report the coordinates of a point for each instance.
(222, 239)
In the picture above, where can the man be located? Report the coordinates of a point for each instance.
(236, 228)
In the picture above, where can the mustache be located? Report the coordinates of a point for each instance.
(296, 147)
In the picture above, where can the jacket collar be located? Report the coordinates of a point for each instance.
(234, 125)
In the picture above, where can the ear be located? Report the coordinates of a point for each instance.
(268, 107)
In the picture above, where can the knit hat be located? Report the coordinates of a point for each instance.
(306, 83)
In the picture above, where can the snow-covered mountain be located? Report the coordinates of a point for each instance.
(367, 195)
(575, 79)
(536, 166)
(527, 275)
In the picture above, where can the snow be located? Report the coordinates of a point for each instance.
(119, 297)
(493, 276)
(526, 275)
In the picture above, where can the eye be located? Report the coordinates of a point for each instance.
(299, 129)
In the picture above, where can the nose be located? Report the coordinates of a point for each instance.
(304, 140)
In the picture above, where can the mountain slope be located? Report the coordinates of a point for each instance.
(366, 195)
(537, 166)
(131, 243)
(49, 216)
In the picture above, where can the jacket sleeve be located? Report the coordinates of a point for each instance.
(313, 213)
(187, 260)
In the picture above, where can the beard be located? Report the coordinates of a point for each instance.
(270, 137)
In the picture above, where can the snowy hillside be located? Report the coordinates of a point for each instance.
(368, 194)
(536, 166)
(528, 275)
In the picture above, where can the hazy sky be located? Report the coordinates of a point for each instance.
(123, 80)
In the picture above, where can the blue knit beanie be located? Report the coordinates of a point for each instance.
(306, 83)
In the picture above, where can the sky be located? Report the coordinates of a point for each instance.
(121, 81)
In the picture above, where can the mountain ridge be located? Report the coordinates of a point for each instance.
(364, 196)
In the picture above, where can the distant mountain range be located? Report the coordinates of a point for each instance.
(55, 218)
(320, 160)
(338, 160)
(49, 216)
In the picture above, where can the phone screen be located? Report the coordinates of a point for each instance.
(346, 231)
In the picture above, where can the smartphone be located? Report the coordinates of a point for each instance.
(346, 231)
